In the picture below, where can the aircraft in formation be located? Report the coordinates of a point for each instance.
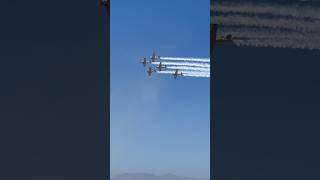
(145, 62)
(223, 39)
(150, 71)
(229, 38)
(159, 67)
(213, 40)
(176, 74)
(154, 57)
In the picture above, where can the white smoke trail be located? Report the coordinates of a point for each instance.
(189, 68)
(294, 10)
(183, 72)
(184, 64)
(289, 43)
(192, 73)
(197, 75)
(274, 38)
(284, 23)
(259, 33)
(186, 73)
(185, 59)
(165, 72)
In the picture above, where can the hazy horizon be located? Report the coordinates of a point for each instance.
(139, 174)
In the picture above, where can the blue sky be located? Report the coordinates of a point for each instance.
(158, 124)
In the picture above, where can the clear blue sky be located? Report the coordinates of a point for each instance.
(158, 124)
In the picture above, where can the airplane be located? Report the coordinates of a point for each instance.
(150, 71)
(107, 4)
(224, 39)
(160, 66)
(176, 74)
(229, 38)
(145, 62)
(154, 57)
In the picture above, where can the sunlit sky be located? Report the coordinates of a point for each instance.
(159, 124)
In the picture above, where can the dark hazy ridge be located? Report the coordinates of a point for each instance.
(146, 176)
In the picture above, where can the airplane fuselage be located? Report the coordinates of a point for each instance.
(150, 71)
(160, 66)
(144, 62)
(154, 57)
(176, 74)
